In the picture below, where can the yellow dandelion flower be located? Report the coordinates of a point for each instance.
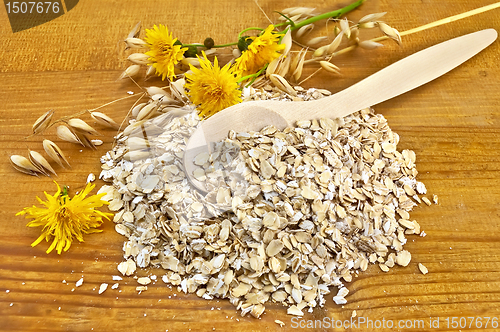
(64, 218)
(164, 54)
(212, 88)
(261, 51)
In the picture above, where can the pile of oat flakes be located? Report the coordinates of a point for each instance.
(290, 214)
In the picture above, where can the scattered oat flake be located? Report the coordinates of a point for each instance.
(96, 142)
(79, 282)
(422, 268)
(91, 177)
(426, 200)
(115, 286)
(103, 288)
(117, 278)
(280, 323)
(144, 281)
(435, 199)
(354, 314)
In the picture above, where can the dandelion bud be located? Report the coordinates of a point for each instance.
(191, 52)
(42, 122)
(243, 43)
(209, 43)
(135, 43)
(139, 58)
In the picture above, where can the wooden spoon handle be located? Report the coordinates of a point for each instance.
(398, 78)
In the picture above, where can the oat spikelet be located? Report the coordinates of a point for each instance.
(316, 40)
(23, 165)
(139, 58)
(301, 57)
(82, 126)
(39, 161)
(369, 44)
(304, 30)
(42, 122)
(104, 120)
(135, 43)
(54, 152)
(147, 111)
(282, 84)
(67, 135)
(371, 17)
(332, 47)
(330, 67)
(136, 30)
(390, 32)
(131, 71)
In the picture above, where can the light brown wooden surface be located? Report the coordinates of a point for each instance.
(71, 64)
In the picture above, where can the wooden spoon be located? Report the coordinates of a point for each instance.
(398, 78)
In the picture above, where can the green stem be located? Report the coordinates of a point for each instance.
(225, 45)
(248, 29)
(333, 14)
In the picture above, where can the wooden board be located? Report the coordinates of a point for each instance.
(453, 124)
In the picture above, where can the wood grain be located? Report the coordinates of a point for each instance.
(453, 124)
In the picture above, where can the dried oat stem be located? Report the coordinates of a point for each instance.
(408, 32)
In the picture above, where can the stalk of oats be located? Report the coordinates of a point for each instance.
(414, 30)
(54, 152)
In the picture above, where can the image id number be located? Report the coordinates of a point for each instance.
(32, 7)
(471, 322)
